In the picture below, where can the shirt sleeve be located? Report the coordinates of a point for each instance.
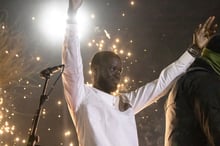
(152, 91)
(73, 79)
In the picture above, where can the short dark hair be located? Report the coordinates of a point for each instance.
(102, 56)
(214, 43)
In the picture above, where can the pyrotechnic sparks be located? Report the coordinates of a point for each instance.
(124, 27)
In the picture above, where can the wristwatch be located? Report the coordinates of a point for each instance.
(194, 50)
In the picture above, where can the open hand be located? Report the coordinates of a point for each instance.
(204, 32)
(74, 5)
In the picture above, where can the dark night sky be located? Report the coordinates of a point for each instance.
(161, 30)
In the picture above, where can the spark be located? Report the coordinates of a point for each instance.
(107, 34)
(132, 3)
(38, 58)
(33, 18)
(59, 102)
(67, 133)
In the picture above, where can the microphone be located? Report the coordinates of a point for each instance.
(51, 70)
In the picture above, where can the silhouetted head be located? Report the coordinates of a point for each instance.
(214, 43)
(211, 54)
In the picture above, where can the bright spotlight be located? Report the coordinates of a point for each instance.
(53, 22)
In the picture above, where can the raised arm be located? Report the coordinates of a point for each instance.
(73, 80)
(74, 5)
(152, 91)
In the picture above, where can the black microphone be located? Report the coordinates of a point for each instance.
(51, 70)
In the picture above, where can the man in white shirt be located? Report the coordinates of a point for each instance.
(100, 118)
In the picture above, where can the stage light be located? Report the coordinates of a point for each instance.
(53, 22)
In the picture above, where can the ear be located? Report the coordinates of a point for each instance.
(94, 73)
(94, 69)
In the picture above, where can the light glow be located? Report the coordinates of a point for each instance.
(53, 22)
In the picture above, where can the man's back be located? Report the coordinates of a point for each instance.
(193, 108)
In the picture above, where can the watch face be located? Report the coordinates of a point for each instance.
(194, 51)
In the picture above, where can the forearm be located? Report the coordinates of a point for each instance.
(169, 74)
(71, 55)
(156, 89)
(73, 80)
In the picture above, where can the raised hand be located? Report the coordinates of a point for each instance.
(204, 32)
(74, 5)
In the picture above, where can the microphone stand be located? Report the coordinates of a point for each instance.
(33, 138)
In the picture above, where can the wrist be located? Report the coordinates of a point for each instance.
(194, 50)
(71, 16)
(71, 20)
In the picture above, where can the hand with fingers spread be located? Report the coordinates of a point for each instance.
(74, 5)
(204, 32)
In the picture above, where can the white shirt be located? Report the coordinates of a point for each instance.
(96, 115)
